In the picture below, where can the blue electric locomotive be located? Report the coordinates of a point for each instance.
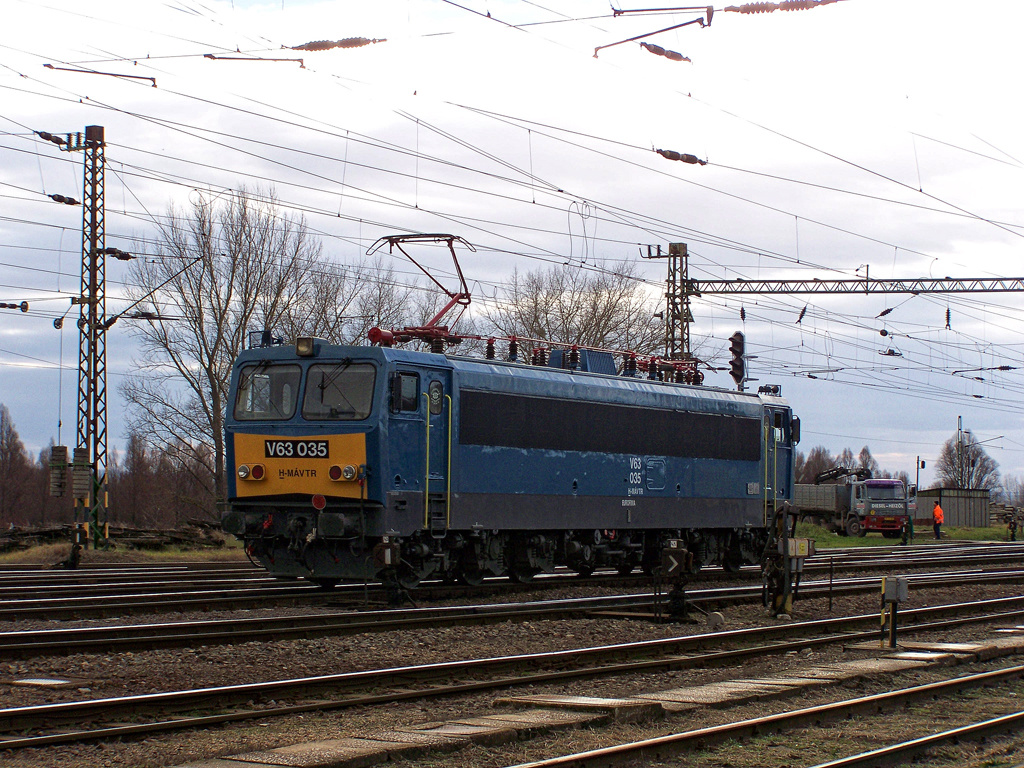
(367, 461)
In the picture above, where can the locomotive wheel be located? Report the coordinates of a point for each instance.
(626, 568)
(472, 578)
(407, 577)
(584, 570)
(326, 583)
(521, 575)
(731, 564)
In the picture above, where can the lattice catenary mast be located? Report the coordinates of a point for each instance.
(89, 467)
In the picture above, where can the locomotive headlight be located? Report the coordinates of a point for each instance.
(348, 472)
(254, 472)
(304, 346)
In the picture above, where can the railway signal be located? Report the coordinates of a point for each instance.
(737, 366)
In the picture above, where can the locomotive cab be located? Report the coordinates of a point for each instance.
(297, 433)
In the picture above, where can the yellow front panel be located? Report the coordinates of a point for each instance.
(294, 465)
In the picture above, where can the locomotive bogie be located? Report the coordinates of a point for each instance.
(368, 463)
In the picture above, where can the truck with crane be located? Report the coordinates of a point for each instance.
(857, 507)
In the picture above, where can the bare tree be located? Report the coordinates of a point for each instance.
(799, 463)
(570, 305)
(818, 460)
(381, 300)
(345, 301)
(846, 458)
(14, 470)
(222, 271)
(327, 310)
(133, 483)
(965, 464)
(1013, 490)
(866, 461)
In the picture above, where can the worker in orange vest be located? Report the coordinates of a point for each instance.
(937, 520)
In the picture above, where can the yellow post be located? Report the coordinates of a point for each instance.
(881, 617)
(448, 491)
(426, 486)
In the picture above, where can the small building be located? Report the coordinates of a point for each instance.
(960, 508)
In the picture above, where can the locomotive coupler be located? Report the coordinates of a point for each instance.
(296, 534)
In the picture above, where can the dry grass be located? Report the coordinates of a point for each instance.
(46, 555)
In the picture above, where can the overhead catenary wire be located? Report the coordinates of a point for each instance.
(904, 249)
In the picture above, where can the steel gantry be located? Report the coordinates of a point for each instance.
(680, 289)
(857, 285)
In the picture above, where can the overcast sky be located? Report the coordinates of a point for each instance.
(864, 135)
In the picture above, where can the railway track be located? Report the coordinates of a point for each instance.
(62, 723)
(903, 751)
(106, 606)
(240, 630)
(131, 637)
(106, 592)
(131, 599)
(665, 747)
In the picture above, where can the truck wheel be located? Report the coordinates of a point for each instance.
(854, 528)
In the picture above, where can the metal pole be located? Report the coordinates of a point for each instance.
(881, 615)
(831, 575)
(677, 301)
(92, 354)
(960, 452)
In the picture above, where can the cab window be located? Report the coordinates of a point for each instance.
(267, 392)
(405, 392)
(339, 391)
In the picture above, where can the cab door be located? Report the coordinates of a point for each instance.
(778, 457)
(781, 471)
(437, 450)
(420, 446)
